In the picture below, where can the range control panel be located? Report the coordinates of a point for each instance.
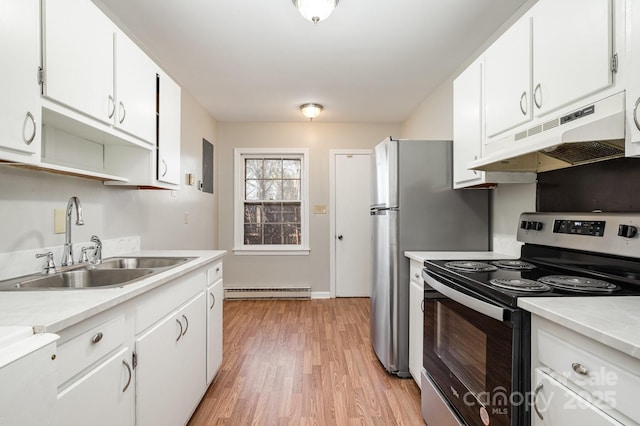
(579, 227)
(612, 233)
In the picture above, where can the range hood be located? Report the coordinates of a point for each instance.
(594, 132)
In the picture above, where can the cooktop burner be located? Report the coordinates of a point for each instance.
(579, 284)
(520, 284)
(470, 266)
(514, 264)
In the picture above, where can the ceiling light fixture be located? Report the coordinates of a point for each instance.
(315, 10)
(311, 110)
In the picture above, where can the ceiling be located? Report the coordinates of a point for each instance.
(258, 60)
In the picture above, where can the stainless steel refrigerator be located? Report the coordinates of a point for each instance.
(414, 209)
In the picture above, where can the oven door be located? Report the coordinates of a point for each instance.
(473, 353)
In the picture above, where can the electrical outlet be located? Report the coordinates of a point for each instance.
(59, 223)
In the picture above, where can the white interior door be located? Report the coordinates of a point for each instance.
(352, 225)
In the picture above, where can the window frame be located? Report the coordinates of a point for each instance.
(238, 215)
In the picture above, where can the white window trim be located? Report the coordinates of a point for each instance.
(239, 248)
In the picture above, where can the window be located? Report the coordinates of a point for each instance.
(271, 208)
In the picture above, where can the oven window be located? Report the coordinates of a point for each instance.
(462, 347)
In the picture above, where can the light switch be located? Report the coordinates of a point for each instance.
(319, 209)
(59, 225)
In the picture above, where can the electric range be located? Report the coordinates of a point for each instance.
(476, 339)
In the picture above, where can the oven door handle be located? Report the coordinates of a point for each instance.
(488, 309)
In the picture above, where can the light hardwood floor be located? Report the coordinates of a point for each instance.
(304, 363)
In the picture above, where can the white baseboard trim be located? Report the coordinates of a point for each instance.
(321, 295)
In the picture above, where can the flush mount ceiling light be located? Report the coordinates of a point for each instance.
(311, 110)
(315, 10)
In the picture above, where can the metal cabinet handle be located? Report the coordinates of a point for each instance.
(537, 90)
(126, 364)
(97, 337)
(181, 329)
(112, 106)
(166, 168)
(535, 401)
(422, 306)
(124, 112)
(475, 172)
(213, 300)
(417, 275)
(218, 269)
(523, 97)
(187, 326)
(340, 237)
(635, 114)
(580, 369)
(33, 133)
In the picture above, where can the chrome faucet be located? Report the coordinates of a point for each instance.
(97, 253)
(67, 255)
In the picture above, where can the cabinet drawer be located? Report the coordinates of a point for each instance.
(415, 271)
(82, 351)
(555, 404)
(593, 372)
(214, 273)
(158, 302)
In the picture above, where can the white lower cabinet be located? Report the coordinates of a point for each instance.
(103, 396)
(145, 362)
(556, 404)
(214, 329)
(416, 320)
(578, 380)
(170, 375)
(27, 375)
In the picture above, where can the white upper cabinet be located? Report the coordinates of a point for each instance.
(135, 90)
(468, 133)
(572, 51)
(169, 131)
(94, 69)
(78, 57)
(467, 125)
(508, 79)
(19, 88)
(633, 83)
(554, 56)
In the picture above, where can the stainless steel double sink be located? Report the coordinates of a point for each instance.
(112, 272)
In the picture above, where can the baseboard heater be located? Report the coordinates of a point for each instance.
(267, 293)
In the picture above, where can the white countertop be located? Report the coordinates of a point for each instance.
(53, 310)
(421, 256)
(612, 320)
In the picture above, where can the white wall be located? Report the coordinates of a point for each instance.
(28, 198)
(311, 270)
(433, 119)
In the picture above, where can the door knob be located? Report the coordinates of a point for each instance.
(340, 237)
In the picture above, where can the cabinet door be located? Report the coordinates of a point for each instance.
(172, 352)
(572, 51)
(135, 90)
(416, 294)
(104, 396)
(467, 124)
(78, 57)
(158, 361)
(20, 107)
(169, 131)
(214, 329)
(192, 357)
(555, 404)
(508, 79)
(633, 84)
